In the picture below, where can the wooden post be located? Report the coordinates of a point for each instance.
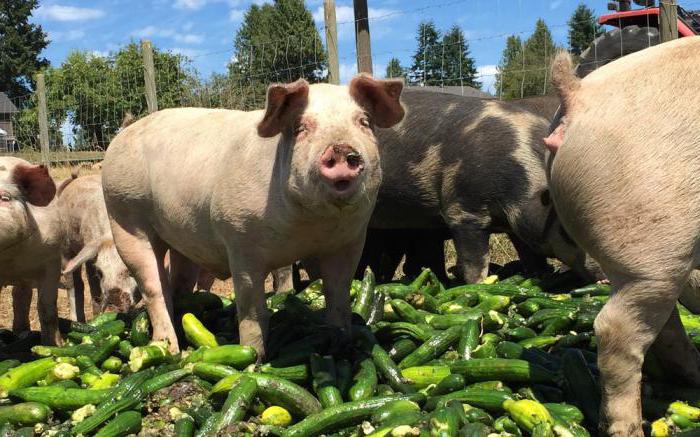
(362, 40)
(43, 119)
(149, 76)
(331, 41)
(668, 20)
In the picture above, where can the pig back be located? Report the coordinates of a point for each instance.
(481, 155)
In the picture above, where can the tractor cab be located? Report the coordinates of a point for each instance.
(648, 16)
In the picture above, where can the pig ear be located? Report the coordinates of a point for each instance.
(34, 183)
(87, 253)
(380, 97)
(283, 100)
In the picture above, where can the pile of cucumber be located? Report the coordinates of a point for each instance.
(509, 357)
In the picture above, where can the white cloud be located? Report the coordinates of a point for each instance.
(70, 35)
(189, 38)
(487, 77)
(153, 31)
(189, 4)
(99, 53)
(68, 13)
(555, 4)
(236, 15)
(186, 51)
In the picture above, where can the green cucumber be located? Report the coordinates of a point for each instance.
(145, 356)
(418, 332)
(216, 372)
(389, 370)
(395, 290)
(325, 380)
(365, 296)
(447, 321)
(448, 384)
(424, 376)
(25, 375)
(567, 412)
(128, 422)
(388, 412)
(276, 391)
(112, 364)
(506, 424)
(501, 369)
(184, 427)
(508, 349)
(103, 318)
(474, 414)
(364, 382)
(6, 365)
(140, 334)
(432, 348)
(233, 355)
(520, 333)
(401, 348)
(474, 430)
(406, 312)
(125, 349)
(26, 413)
(469, 339)
(444, 423)
(298, 374)
(541, 341)
(237, 402)
(491, 400)
(339, 416)
(60, 398)
(196, 333)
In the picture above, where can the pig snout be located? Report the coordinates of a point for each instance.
(117, 300)
(340, 165)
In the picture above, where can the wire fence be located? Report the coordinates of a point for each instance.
(89, 96)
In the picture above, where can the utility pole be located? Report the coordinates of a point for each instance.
(149, 76)
(362, 40)
(331, 41)
(668, 20)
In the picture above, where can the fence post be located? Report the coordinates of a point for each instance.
(362, 40)
(668, 20)
(149, 76)
(331, 41)
(43, 118)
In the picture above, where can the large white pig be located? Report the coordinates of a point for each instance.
(248, 192)
(30, 238)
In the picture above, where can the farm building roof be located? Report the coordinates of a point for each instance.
(466, 91)
(6, 106)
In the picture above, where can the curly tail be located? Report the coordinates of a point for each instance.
(565, 79)
(73, 176)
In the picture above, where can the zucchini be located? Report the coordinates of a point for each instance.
(196, 333)
(233, 355)
(501, 369)
(469, 338)
(276, 391)
(424, 376)
(60, 398)
(25, 375)
(339, 416)
(364, 382)
(432, 348)
(325, 380)
(128, 422)
(365, 296)
(140, 334)
(26, 413)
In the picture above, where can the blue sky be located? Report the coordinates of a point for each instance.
(204, 29)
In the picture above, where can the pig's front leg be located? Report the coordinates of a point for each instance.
(249, 289)
(337, 271)
(21, 301)
(48, 311)
(76, 296)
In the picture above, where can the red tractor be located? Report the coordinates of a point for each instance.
(636, 29)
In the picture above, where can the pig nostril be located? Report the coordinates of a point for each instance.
(330, 163)
(354, 160)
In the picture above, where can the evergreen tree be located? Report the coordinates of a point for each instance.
(583, 29)
(458, 66)
(20, 45)
(277, 42)
(427, 61)
(394, 69)
(524, 71)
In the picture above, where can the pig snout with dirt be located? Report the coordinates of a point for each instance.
(244, 193)
(472, 166)
(88, 241)
(30, 234)
(625, 184)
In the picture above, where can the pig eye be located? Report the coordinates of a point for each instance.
(299, 128)
(364, 121)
